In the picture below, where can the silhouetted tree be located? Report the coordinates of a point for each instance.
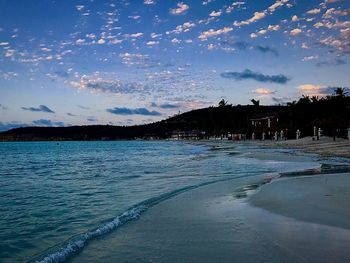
(255, 102)
(314, 99)
(340, 92)
(222, 103)
(304, 100)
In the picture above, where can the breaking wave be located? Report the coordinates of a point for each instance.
(76, 244)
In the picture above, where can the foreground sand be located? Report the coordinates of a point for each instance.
(212, 224)
(322, 199)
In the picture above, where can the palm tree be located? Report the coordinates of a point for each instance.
(255, 102)
(340, 92)
(222, 103)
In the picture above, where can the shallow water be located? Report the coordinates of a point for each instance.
(57, 197)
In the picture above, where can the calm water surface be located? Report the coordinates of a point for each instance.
(57, 197)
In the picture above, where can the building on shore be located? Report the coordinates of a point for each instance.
(265, 127)
(187, 135)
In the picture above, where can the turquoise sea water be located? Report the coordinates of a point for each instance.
(55, 198)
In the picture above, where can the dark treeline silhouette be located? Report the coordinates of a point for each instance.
(331, 114)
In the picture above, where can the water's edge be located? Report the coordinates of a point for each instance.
(74, 245)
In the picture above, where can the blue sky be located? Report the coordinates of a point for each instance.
(137, 61)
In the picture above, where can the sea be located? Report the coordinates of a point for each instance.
(58, 197)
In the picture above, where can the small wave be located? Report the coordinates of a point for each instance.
(73, 246)
(77, 244)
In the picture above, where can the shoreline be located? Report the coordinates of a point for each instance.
(324, 147)
(211, 224)
(245, 219)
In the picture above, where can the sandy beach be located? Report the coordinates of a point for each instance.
(211, 224)
(289, 219)
(322, 199)
(324, 147)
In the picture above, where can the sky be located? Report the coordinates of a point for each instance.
(126, 62)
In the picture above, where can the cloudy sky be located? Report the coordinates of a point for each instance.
(127, 62)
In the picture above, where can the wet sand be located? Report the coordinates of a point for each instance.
(294, 218)
(214, 224)
(322, 199)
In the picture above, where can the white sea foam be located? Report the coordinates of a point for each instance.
(77, 244)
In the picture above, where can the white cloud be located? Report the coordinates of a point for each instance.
(295, 32)
(318, 25)
(313, 90)
(314, 11)
(91, 36)
(341, 43)
(136, 35)
(332, 13)
(262, 32)
(230, 8)
(45, 49)
(274, 27)
(339, 24)
(305, 46)
(211, 47)
(260, 15)
(139, 60)
(257, 16)
(212, 33)
(276, 5)
(135, 17)
(155, 35)
(262, 91)
(79, 7)
(309, 87)
(175, 41)
(101, 41)
(97, 84)
(152, 43)
(80, 41)
(215, 14)
(185, 27)
(181, 8)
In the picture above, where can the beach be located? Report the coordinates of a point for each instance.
(173, 201)
(211, 224)
(325, 146)
(301, 217)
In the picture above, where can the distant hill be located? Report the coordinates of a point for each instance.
(332, 114)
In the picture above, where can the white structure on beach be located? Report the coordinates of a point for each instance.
(315, 132)
(298, 134)
(319, 133)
